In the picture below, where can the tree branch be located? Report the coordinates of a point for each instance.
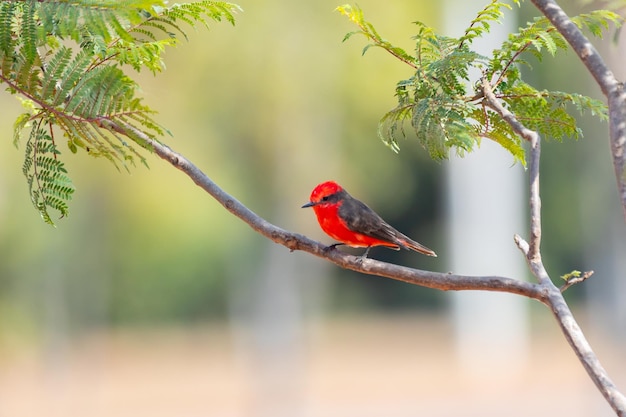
(575, 337)
(533, 167)
(295, 241)
(544, 291)
(612, 89)
(556, 302)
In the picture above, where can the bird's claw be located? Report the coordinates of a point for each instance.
(363, 257)
(332, 247)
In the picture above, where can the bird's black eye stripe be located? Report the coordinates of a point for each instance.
(330, 197)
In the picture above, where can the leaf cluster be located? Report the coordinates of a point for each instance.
(66, 61)
(443, 101)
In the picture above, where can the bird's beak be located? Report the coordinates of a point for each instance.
(309, 204)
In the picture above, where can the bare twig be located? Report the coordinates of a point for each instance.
(612, 89)
(556, 302)
(521, 244)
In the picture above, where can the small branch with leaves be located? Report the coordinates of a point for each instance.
(573, 278)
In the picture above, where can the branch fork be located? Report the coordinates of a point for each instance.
(531, 250)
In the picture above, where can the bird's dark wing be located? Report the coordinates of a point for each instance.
(362, 219)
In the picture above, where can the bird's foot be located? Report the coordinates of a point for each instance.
(332, 247)
(364, 256)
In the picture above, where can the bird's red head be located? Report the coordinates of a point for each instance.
(321, 193)
(324, 190)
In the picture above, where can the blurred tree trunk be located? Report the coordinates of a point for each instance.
(602, 219)
(486, 199)
(271, 298)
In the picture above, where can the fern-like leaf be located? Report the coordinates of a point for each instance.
(167, 20)
(108, 19)
(492, 13)
(48, 183)
(597, 21)
(355, 14)
(7, 13)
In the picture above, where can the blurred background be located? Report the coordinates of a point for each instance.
(152, 300)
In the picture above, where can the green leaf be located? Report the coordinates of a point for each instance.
(48, 183)
(18, 126)
(355, 14)
(571, 275)
(492, 13)
(597, 21)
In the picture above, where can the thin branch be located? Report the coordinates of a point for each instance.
(511, 61)
(612, 89)
(533, 166)
(495, 104)
(556, 302)
(575, 337)
(295, 241)
(535, 199)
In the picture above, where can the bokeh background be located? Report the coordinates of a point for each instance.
(152, 300)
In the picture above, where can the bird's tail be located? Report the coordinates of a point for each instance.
(418, 247)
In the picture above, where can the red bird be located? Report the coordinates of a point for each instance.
(353, 223)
